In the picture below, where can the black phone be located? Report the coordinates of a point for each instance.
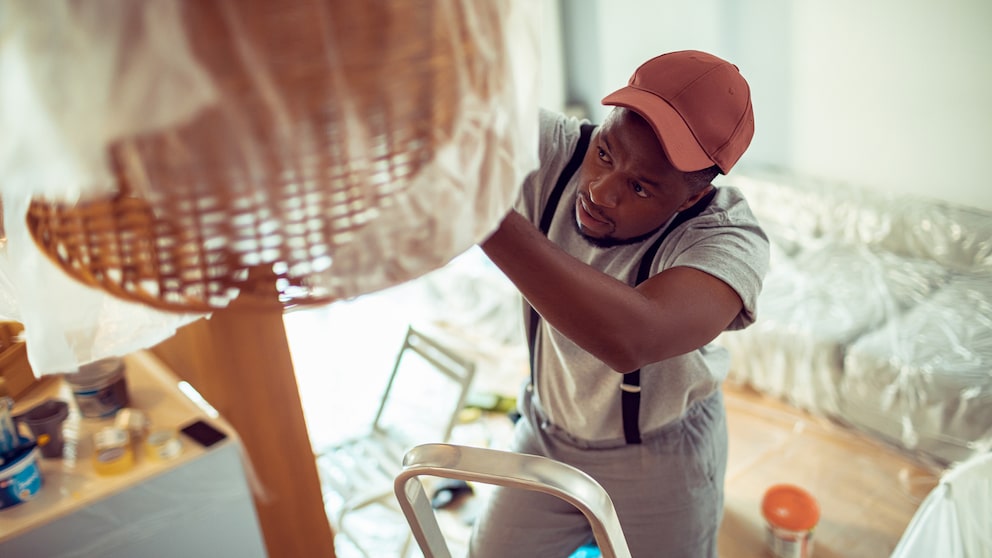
(202, 433)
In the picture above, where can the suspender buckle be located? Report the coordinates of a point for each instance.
(630, 388)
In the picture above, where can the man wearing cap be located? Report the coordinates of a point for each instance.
(631, 263)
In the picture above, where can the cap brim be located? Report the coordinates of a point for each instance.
(678, 141)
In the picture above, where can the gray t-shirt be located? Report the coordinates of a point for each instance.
(576, 391)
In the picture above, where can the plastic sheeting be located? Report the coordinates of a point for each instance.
(955, 520)
(805, 320)
(402, 155)
(473, 301)
(923, 380)
(875, 314)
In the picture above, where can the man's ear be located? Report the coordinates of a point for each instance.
(691, 200)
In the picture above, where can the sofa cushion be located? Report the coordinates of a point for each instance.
(811, 307)
(924, 381)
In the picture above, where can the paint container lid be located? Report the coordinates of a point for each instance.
(132, 421)
(787, 506)
(97, 374)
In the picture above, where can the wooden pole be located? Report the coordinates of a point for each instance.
(239, 360)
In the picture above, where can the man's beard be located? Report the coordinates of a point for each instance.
(609, 241)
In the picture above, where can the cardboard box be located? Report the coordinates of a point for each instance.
(16, 375)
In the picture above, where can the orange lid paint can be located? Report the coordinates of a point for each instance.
(791, 515)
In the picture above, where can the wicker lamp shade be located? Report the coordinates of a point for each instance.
(320, 171)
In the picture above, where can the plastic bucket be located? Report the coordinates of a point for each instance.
(99, 388)
(791, 515)
(20, 478)
(45, 423)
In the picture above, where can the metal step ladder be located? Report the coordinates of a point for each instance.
(503, 468)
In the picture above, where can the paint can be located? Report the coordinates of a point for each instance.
(791, 514)
(99, 388)
(20, 476)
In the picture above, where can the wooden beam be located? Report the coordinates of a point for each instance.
(239, 360)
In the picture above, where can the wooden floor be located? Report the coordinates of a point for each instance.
(867, 492)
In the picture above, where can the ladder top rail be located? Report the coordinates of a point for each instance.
(513, 470)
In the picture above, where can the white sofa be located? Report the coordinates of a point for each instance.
(876, 313)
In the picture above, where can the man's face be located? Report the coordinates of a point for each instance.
(627, 189)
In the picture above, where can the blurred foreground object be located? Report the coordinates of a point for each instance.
(16, 376)
(955, 520)
(181, 154)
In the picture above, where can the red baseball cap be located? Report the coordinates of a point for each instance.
(699, 106)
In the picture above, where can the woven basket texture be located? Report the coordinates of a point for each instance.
(329, 112)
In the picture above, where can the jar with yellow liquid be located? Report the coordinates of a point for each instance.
(113, 454)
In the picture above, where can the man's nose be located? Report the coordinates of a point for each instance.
(604, 191)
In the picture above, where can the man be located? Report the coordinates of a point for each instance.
(637, 266)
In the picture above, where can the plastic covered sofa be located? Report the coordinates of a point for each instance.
(876, 313)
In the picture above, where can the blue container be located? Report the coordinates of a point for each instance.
(20, 477)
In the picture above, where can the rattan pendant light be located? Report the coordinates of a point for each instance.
(329, 167)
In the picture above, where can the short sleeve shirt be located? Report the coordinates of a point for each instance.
(576, 391)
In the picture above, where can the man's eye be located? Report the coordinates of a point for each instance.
(638, 189)
(602, 155)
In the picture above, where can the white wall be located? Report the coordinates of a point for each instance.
(893, 95)
(552, 86)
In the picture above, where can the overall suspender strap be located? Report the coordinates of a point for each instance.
(630, 387)
(585, 133)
